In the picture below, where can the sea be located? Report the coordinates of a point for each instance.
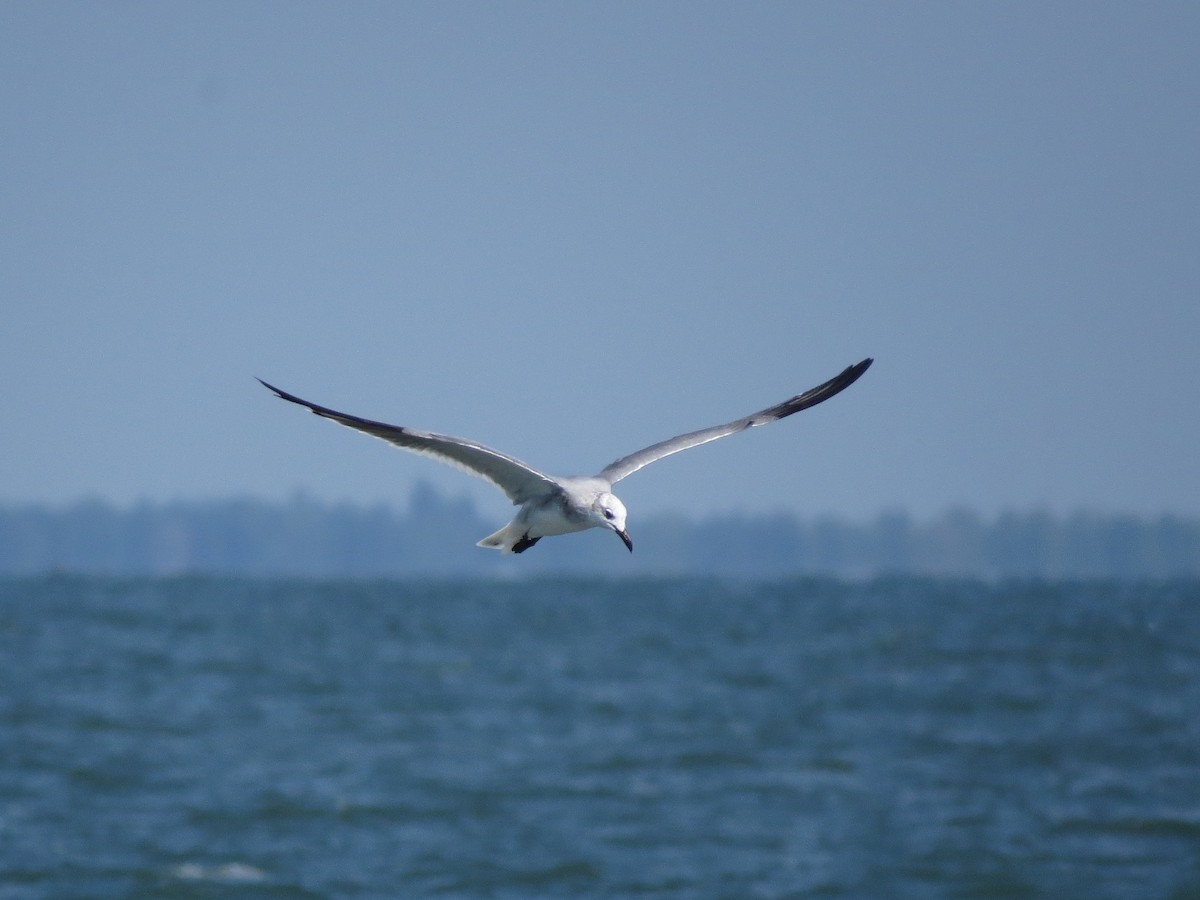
(213, 737)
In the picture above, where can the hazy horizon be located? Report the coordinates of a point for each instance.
(436, 533)
(423, 488)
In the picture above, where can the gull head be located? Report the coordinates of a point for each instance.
(609, 512)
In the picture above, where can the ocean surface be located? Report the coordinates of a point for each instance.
(209, 737)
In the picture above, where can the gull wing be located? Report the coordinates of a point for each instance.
(627, 465)
(518, 480)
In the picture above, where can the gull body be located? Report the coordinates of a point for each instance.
(552, 505)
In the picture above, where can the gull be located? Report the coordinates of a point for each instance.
(551, 505)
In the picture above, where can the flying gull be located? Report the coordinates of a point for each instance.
(551, 505)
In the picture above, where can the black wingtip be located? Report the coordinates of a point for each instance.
(284, 395)
(848, 376)
(819, 394)
(854, 372)
(839, 383)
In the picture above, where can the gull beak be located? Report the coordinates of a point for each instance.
(624, 535)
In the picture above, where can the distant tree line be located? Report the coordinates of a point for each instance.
(436, 535)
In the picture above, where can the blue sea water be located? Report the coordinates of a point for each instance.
(209, 737)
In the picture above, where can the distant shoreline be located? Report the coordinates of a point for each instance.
(435, 535)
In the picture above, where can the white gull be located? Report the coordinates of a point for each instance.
(551, 505)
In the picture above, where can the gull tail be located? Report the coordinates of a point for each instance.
(512, 538)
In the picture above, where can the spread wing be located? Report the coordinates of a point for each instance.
(518, 480)
(627, 465)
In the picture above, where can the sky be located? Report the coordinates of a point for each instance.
(569, 230)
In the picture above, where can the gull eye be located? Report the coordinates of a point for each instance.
(608, 514)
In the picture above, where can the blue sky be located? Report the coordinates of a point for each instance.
(569, 230)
